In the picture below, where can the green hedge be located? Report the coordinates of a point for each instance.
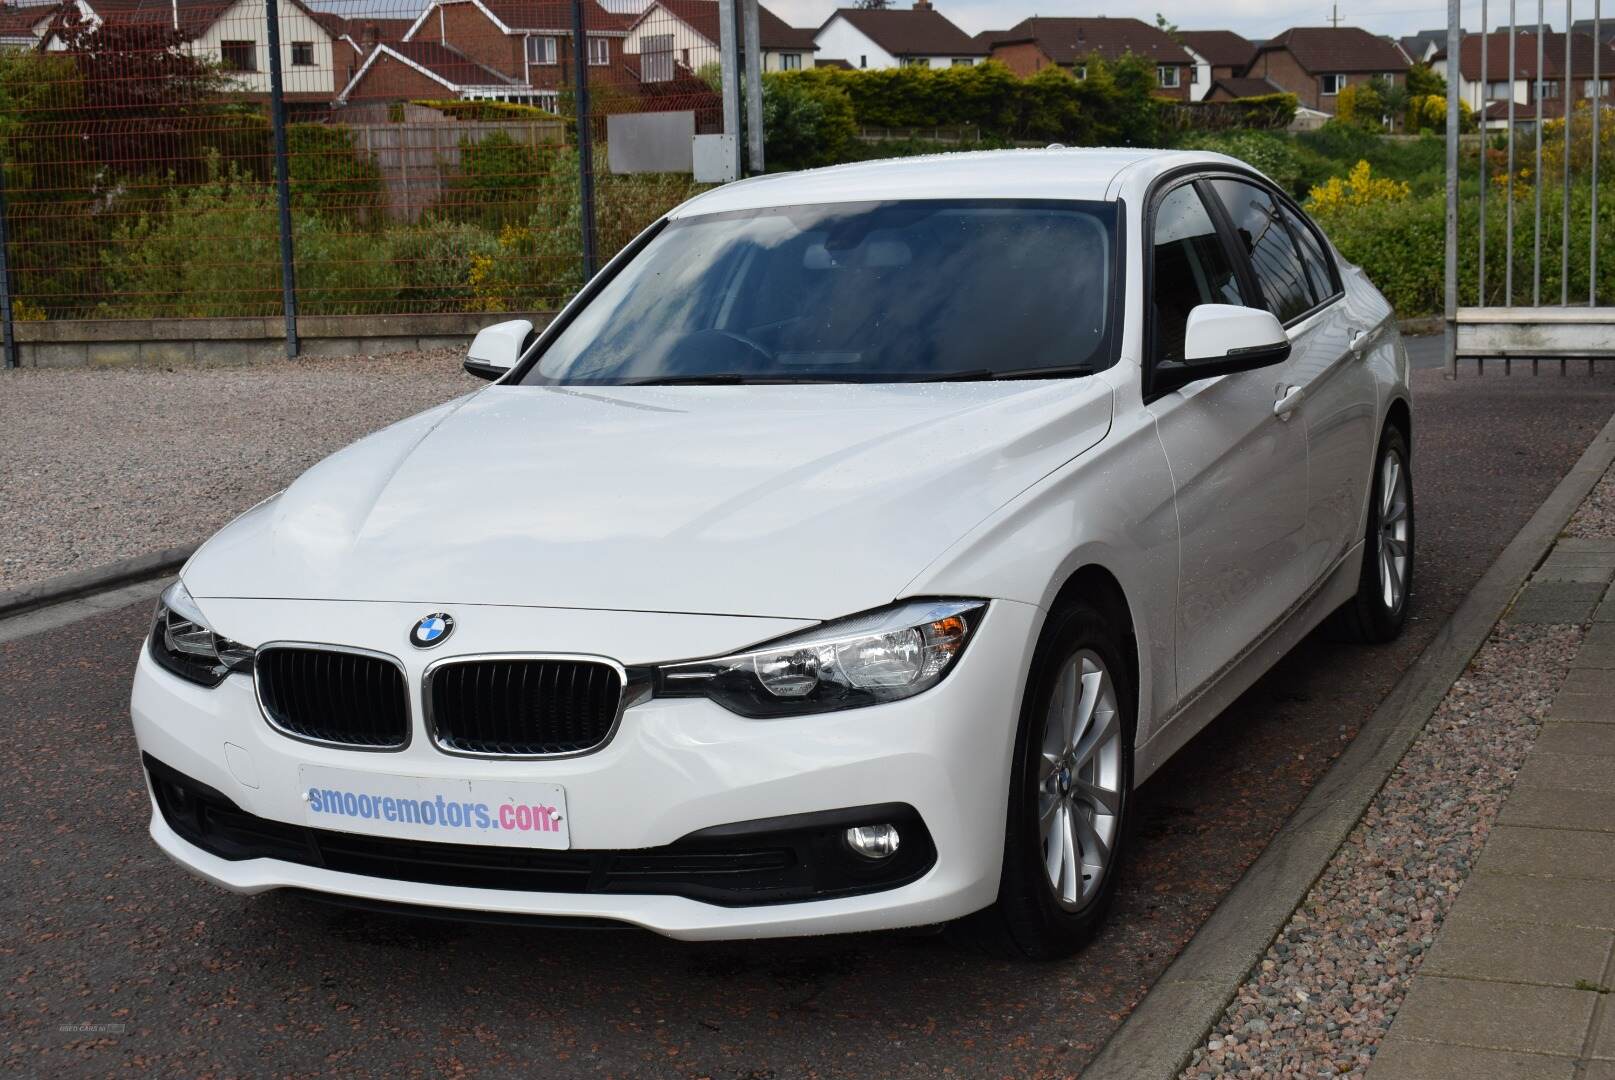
(1114, 105)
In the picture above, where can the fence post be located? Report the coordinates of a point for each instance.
(754, 86)
(8, 335)
(1450, 303)
(580, 77)
(283, 185)
(729, 61)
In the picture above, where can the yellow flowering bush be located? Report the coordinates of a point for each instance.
(1360, 187)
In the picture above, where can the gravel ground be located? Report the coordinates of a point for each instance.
(1596, 516)
(102, 465)
(1328, 988)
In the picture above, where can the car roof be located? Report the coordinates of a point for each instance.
(1085, 174)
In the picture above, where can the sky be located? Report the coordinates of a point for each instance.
(1253, 18)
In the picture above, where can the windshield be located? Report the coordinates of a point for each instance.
(864, 292)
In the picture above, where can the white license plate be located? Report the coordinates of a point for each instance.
(493, 812)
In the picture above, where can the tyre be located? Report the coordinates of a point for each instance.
(1380, 609)
(1069, 794)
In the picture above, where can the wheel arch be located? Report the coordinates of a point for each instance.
(1096, 585)
(1400, 416)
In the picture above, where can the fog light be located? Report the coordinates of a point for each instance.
(873, 841)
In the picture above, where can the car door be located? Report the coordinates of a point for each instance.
(1333, 388)
(1239, 467)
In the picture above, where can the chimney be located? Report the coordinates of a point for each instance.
(923, 5)
(372, 33)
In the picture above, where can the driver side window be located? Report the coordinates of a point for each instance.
(1191, 267)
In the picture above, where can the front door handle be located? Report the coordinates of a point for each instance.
(1284, 406)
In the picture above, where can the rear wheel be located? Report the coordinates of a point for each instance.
(1070, 792)
(1379, 610)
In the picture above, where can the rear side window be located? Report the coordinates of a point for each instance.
(1274, 255)
(1191, 267)
(1312, 254)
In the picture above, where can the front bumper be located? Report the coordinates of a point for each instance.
(675, 767)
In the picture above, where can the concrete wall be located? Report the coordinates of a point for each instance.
(223, 342)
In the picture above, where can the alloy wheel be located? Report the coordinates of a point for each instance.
(1393, 531)
(1079, 796)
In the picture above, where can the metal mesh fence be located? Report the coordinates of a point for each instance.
(432, 157)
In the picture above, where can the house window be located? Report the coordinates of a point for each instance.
(1194, 74)
(656, 64)
(1591, 89)
(916, 61)
(1330, 85)
(541, 50)
(863, 61)
(239, 55)
(1498, 90)
(791, 61)
(599, 52)
(963, 61)
(1167, 77)
(1081, 71)
(1547, 88)
(302, 54)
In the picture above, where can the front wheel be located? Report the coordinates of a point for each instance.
(1070, 792)
(1380, 609)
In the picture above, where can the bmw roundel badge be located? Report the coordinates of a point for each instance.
(432, 630)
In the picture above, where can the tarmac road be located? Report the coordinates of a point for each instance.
(118, 962)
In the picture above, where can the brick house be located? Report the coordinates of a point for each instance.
(1039, 42)
(527, 43)
(897, 37)
(1218, 54)
(1554, 85)
(413, 70)
(1315, 63)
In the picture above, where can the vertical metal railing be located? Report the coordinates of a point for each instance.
(283, 184)
(585, 137)
(1564, 76)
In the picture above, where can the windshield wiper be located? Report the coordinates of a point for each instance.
(988, 374)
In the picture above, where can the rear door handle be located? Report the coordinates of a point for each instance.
(1284, 406)
(1359, 340)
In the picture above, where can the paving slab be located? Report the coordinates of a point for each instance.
(1557, 602)
(1557, 808)
(1496, 1015)
(1399, 1059)
(1589, 773)
(1588, 680)
(1583, 708)
(1555, 901)
(1572, 544)
(1591, 740)
(1471, 947)
(1549, 853)
(1603, 1044)
(1555, 572)
(1599, 1070)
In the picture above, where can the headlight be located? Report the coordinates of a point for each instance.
(183, 643)
(884, 655)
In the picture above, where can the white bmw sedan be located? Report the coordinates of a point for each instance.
(842, 558)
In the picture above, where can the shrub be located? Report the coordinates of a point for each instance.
(499, 181)
(432, 263)
(806, 123)
(1359, 188)
(1281, 157)
(329, 176)
(486, 110)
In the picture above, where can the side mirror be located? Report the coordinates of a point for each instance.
(1221, 339)
(496, 348)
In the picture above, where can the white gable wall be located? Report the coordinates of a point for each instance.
(840, 40)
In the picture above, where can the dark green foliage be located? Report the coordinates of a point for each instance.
(331, 177)
(807, 123)
(499, 182)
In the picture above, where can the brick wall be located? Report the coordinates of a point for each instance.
(467, 29)
(1024, 58)
(390, 80)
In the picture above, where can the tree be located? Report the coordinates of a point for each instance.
(875, 5)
